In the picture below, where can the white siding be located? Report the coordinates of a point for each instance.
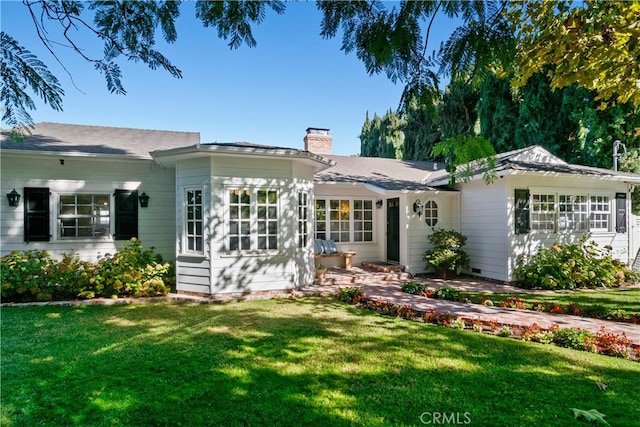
(418, 230)
(529, 243)
(484, 222)
(87, 175)
(220, 270)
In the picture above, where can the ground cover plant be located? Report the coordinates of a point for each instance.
(619, 305)
(572, 266)
(132, 271)
(311, 361)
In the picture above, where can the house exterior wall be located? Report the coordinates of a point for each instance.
(483, 212)
(365, 251)
(488, 220)
(622, 243)
(221, 269)
(87, 175)
(417, 230)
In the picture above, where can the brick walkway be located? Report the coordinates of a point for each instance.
(388, 287)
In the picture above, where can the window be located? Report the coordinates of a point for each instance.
(344, 220)
(303, 219)
(267, 219)
(362, 220)
(543, 212)
(239, 220)
(600, 208)
(572, 213)
(339, 214)
(84, 215)
(563, 212)
(193, 221)
(321, 219)
(431, 213)
(246, 208)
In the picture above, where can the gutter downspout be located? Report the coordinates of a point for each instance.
(631, 227)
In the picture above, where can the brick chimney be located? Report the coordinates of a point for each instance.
(318, 141)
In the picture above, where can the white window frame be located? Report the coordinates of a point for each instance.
(541, 214)
(304, 208)
(573, 211)
(339, 226)
(431, 212)
(246, 237)
(60, 217)
(195, 235)
(599, 216)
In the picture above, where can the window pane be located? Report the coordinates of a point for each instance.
(84, 215)
(194, 224)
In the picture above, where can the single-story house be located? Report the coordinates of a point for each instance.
(238, 217)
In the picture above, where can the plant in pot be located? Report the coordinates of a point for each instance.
(446, 256)
(321, 270)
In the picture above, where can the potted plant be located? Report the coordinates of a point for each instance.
(446, 255)
(321, 270)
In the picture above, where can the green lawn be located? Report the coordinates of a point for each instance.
(312, 361)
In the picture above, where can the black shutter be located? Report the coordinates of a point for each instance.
(621, 212)
(36, 215)
(126, 213)
(522, 212)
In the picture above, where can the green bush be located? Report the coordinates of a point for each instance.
(580, 265)
(446, 255)
(577, 339)
(34, 275)
(350, 295)
(449, 294)
(414, 288)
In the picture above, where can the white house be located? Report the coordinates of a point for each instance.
(242, 217)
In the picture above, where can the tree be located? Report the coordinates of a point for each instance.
(498, 113)
(382, 136)
(20, 69)
(594, 44)
(421, 128)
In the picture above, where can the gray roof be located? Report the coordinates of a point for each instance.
(386, 174)
(537, 159)
(98, 140)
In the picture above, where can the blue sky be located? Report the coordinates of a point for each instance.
(267, 95)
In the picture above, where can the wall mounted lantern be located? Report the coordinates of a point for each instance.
(13, 198)
(417, 207)
(144, 200)
(379, 204)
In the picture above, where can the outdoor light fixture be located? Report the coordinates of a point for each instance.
(417, 207)
(379, 204)
(144, 200)
(13, 198)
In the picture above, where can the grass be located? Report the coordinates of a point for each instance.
(312, 361)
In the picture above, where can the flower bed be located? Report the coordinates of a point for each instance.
(601, 342)
(513, 301)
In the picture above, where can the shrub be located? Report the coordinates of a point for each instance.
(446, 255)
(34, 276)
(577, 339)
(132, 271)
(580, 265)
(414, 288)
(449, 294)
(350, 295)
